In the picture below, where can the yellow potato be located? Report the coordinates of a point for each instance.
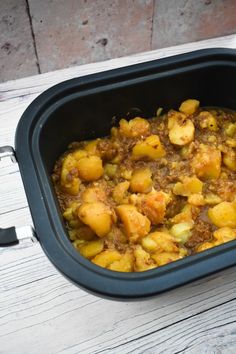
(154, 206)
(91, 249)
(229, 159)
(184, 216)
(223, 214)
(230, 129)
(206, 162)
(181, 129)
(182, 231)
(141, 181)
(106, 258)
(207, 120)
(125, 264)
(149, 149)
(90, 168)
(97, 216)
(91, 147)
(189, 106)
(165, 258)
(69, 180)
(136, 225)
(120, 191)
(143, 260)
(205, 246)
(212, 199)
(196, 200)
(188, 186)
(93, 194)
(163, 241)
(225, 234)
(82, 233)
(134, 128)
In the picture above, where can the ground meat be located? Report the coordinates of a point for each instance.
(201, 232)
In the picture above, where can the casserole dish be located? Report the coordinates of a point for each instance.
(86, 108)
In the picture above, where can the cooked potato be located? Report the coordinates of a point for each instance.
(97, 216)
(125, 264)
(153, 205)
(90, 168)
(212, 199)
(225, 234)
(205, 246)
(120, 192)
(110, 170)
(83, 232)
(106, 258)
(196, 200)
(206, 162)
(93, 194)
(91, 249)
(91, 147)
(135, 224)
(188, 186)
(181, 129)
(141, 181)
(230, 129)
(70, 182)
(223, 214)
(134, 128)
(189, 106)
(165, 257)
(149, 149)
(229, 159)
(163, 242)
(182, 231)
(143, 260)
(208, 121)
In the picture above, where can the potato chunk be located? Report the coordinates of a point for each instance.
(224, 234)
(93, 194)
(91, 249)
(90, 168)
(206, 162)
(134, 128)
(188, 186)
(143, 260)
(120, 191)
(182, 231)
(136, 225)
(149, 149)
(125, 264)
(223, 214)
(97, 216)
(229, 159)
(153, 205)
(208, 121)
(106, 258)
(141, 181)
(162, 240)
(189, 106)
(69, 180)
(165, 257)
(181, 129)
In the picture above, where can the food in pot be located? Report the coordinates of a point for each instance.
(155, 191)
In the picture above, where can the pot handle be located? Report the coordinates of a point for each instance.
(12, 235)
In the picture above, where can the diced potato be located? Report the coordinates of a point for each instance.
(82, 233)
(91, 248)
(184, 216)
(229, 159)
(143, 260)
(205, 246)
(230, 129)
(141, 181)
(189, 106)
(223, 214)
(90, 168)
(136, 225)
(225, 234)
(182, 231)
(106, 258)
(206, 162)
(181, 129)
(70, 182)
(188, 186)
(125, 264)
(154, 206)
(110, 170)
(196, 200)
(165, 257)
(120, 191)
(149, 149)
(125, 173)
(134, 128)
(97, 216)
(231, 142)
(208, 121)
(212, 199)
(163, 242)
(93, 194)
(78, 154)
(91, 147)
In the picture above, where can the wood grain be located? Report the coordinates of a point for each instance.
(41, 312)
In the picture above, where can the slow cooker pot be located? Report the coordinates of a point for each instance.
(84, 108)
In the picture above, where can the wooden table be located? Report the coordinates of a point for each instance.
(41, 312)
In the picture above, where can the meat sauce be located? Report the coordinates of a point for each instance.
(155, 191)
